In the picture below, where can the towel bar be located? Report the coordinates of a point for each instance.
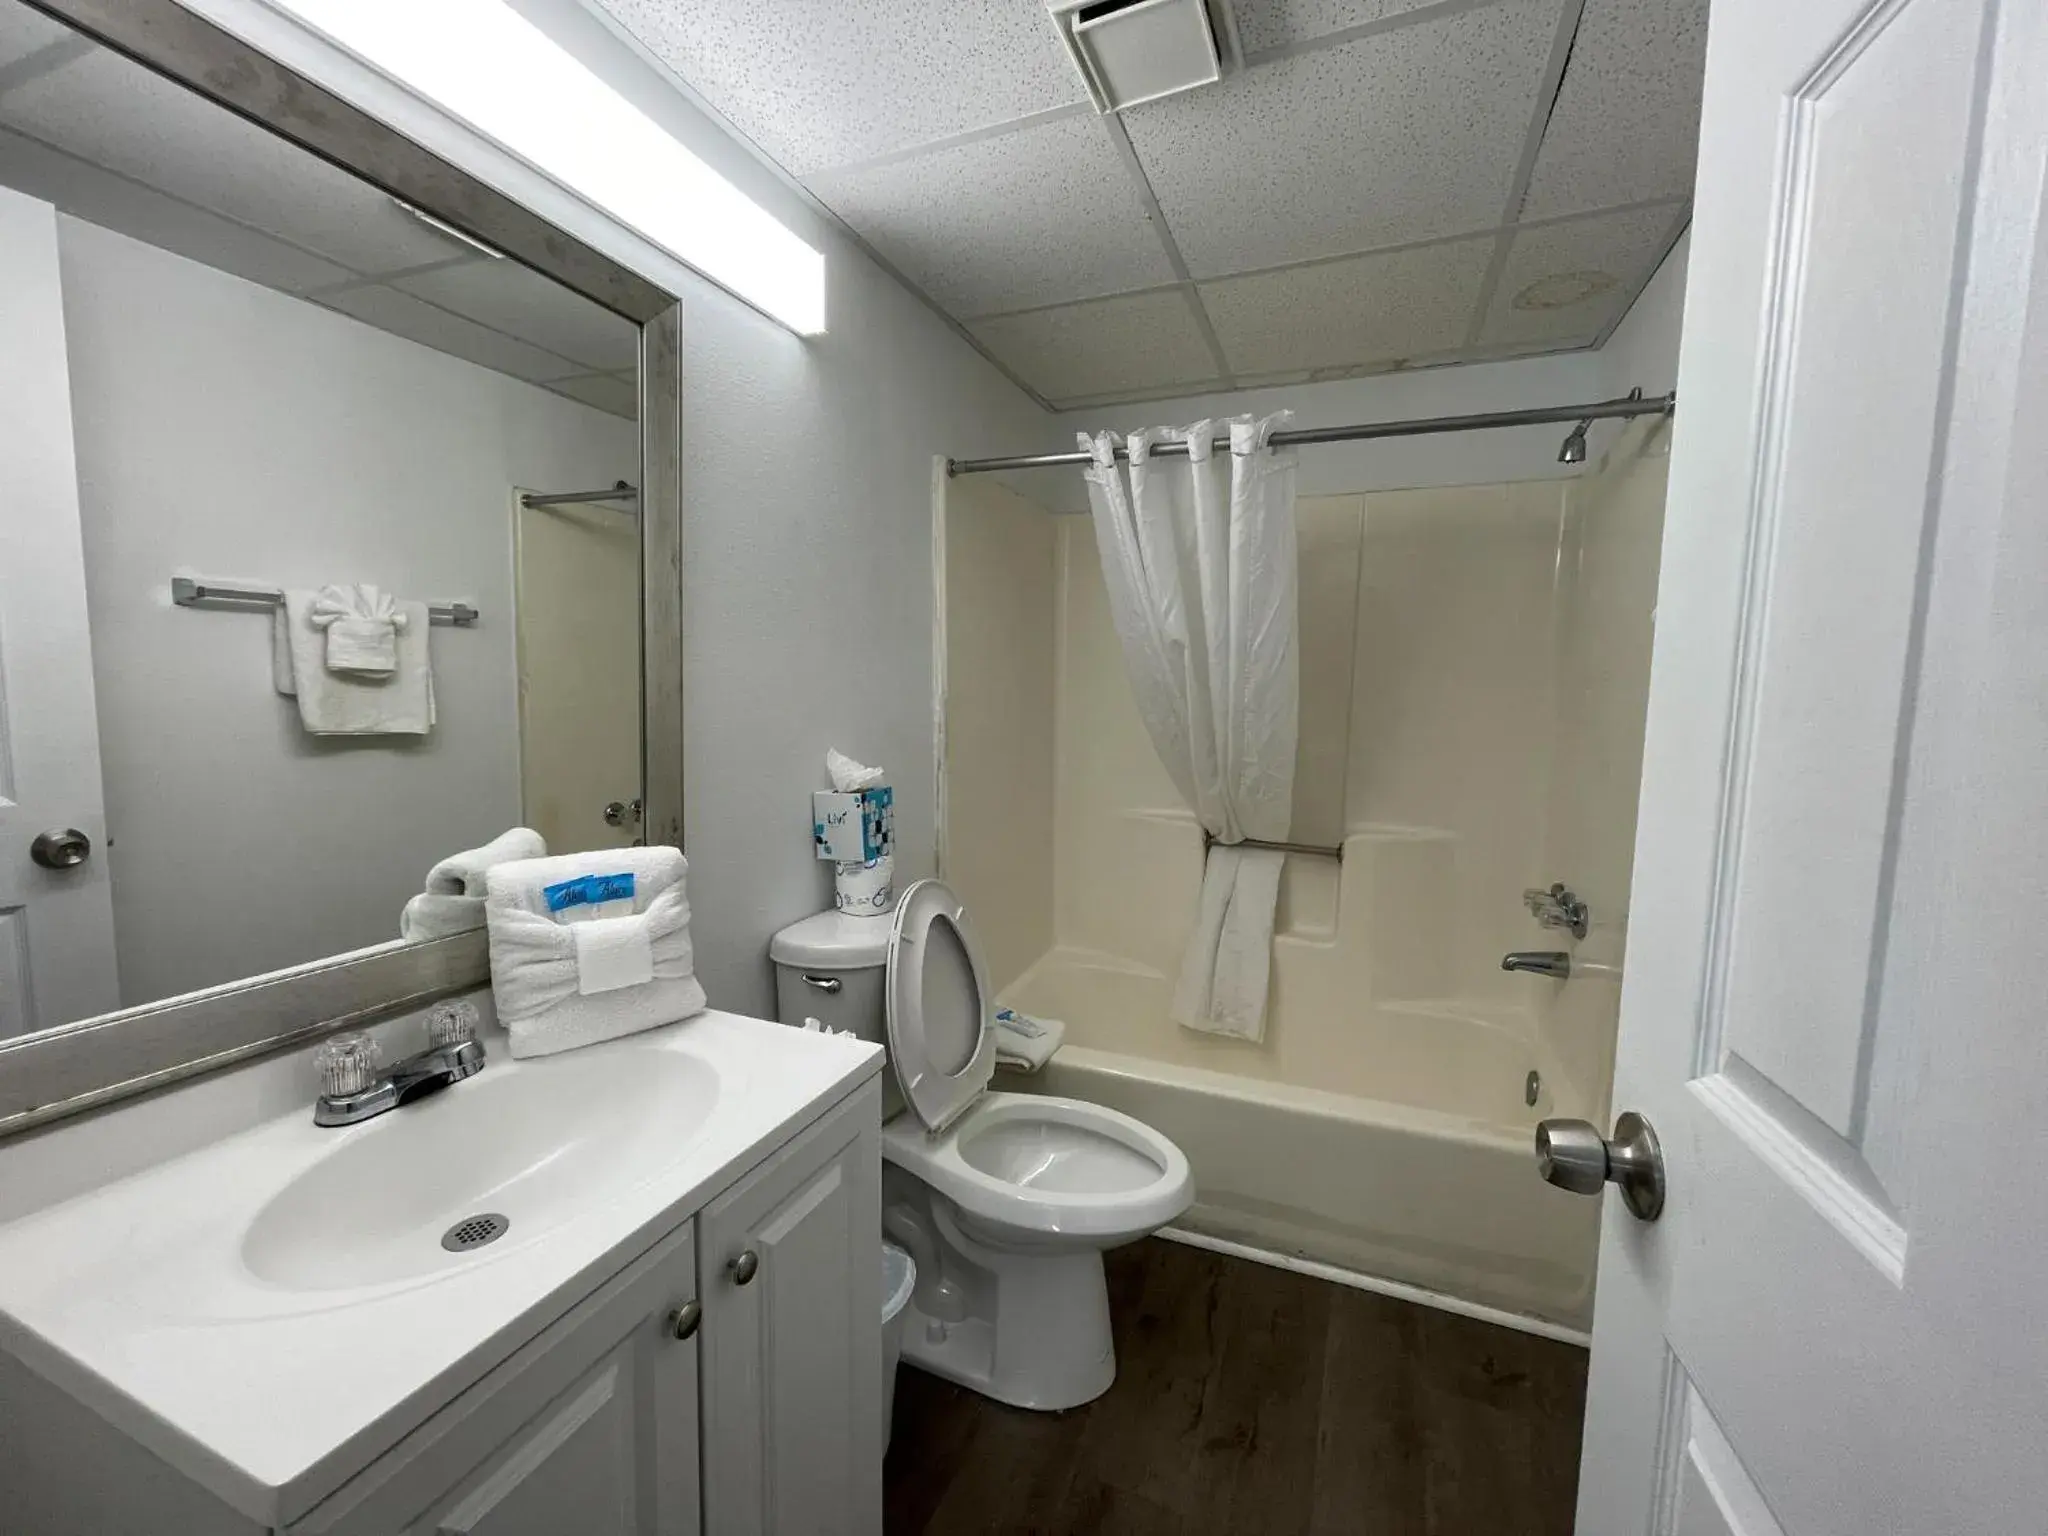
(191, 591)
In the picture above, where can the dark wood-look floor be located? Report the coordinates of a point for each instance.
(1258, 1402)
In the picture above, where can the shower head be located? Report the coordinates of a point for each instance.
(1574, 449)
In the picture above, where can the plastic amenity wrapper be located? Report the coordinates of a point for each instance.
(853, 825)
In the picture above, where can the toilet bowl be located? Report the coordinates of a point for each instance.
(1004, 1201)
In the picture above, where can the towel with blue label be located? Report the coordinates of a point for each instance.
(590, 946)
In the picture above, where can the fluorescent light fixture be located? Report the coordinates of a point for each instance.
(486, 64)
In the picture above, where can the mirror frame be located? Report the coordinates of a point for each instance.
(74, 1067)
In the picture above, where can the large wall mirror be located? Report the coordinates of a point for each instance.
(323, 548)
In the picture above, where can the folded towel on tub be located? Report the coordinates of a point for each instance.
(590, 946)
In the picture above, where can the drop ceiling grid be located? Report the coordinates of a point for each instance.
(823, 83)
(1634, 242)
(1043, 215)
(1401, 136)
(1626, 126)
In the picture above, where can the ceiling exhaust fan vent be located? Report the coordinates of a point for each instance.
(1134, 51)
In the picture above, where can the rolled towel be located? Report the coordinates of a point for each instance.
(590, 946)
(362, 625)
(1026, 1043)
(453, 898)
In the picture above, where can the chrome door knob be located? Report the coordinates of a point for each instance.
(1573, 1155)
(61, 848)
(682, 1322)
(745, 1267)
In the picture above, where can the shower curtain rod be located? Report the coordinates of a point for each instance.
(1597, 410)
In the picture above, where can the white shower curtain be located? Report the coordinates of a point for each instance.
(1199, 560)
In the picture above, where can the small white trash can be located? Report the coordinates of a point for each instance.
(899, 1276)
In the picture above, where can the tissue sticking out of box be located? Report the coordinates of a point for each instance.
(847, 775)
(853, 825)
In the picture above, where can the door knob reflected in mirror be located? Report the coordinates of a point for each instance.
(1574, 1156)
(61, 848)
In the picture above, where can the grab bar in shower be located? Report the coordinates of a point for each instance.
(1314, 850)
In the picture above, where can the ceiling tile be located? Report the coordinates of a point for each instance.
(100, 197)
(607, 391)
(1405, 135)
(1034, 217)
(520, 302)
(1263, 25)
(121, 116)
(1110, 346)
(1623, 247)
(1627, 121)
(1338, 314)
(819, 83)
(416, 320)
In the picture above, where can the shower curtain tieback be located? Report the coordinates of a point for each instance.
(1199, 561)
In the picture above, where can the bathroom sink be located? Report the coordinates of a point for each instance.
(488, 1164)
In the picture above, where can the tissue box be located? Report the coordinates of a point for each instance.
(854, 826)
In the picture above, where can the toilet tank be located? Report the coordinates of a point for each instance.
(832, 967)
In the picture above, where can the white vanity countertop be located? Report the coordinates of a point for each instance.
(272, 1389)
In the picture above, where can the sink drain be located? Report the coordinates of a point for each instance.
(474, 1232)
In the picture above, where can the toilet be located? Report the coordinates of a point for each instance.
(1005, 1201)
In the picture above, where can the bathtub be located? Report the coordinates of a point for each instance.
(1431, 1188)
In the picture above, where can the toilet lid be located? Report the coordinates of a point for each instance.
(942, 1039)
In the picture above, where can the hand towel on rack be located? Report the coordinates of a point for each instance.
(452, 901)
(573, 937)
(338, 704)
(363, 625)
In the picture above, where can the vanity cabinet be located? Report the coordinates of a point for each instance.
(728, 1381)
(789, 1266)
(592, 1428)
(720, 1375)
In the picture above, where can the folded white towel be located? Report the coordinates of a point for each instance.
(1025, 1043)
(550, 918)
(363, 625)
(453, 898)
(344, 704)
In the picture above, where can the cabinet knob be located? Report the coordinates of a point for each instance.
(745, 1267)
(684, 1320)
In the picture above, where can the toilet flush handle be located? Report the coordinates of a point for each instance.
(822, 983)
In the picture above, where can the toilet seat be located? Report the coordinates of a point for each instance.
(942, 1039)
(1031, 1163)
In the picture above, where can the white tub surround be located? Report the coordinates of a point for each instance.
(270, 1313)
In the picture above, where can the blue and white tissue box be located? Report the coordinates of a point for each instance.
(854, 826)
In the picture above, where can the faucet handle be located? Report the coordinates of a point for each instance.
(452, 1022)
(348, 1064)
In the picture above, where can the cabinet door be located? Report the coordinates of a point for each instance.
(791, 1281)
(591, 1429)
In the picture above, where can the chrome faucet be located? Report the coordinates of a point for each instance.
(1554, 963)
(353, 1090)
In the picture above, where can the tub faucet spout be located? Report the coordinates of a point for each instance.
(1554, 963)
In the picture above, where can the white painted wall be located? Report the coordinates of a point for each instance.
(807, 518)
(227, 430)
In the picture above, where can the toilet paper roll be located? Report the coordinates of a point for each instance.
(866, 890)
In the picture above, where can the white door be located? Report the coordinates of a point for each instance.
(1836, 1007)
(56, 924)
(578, 598)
